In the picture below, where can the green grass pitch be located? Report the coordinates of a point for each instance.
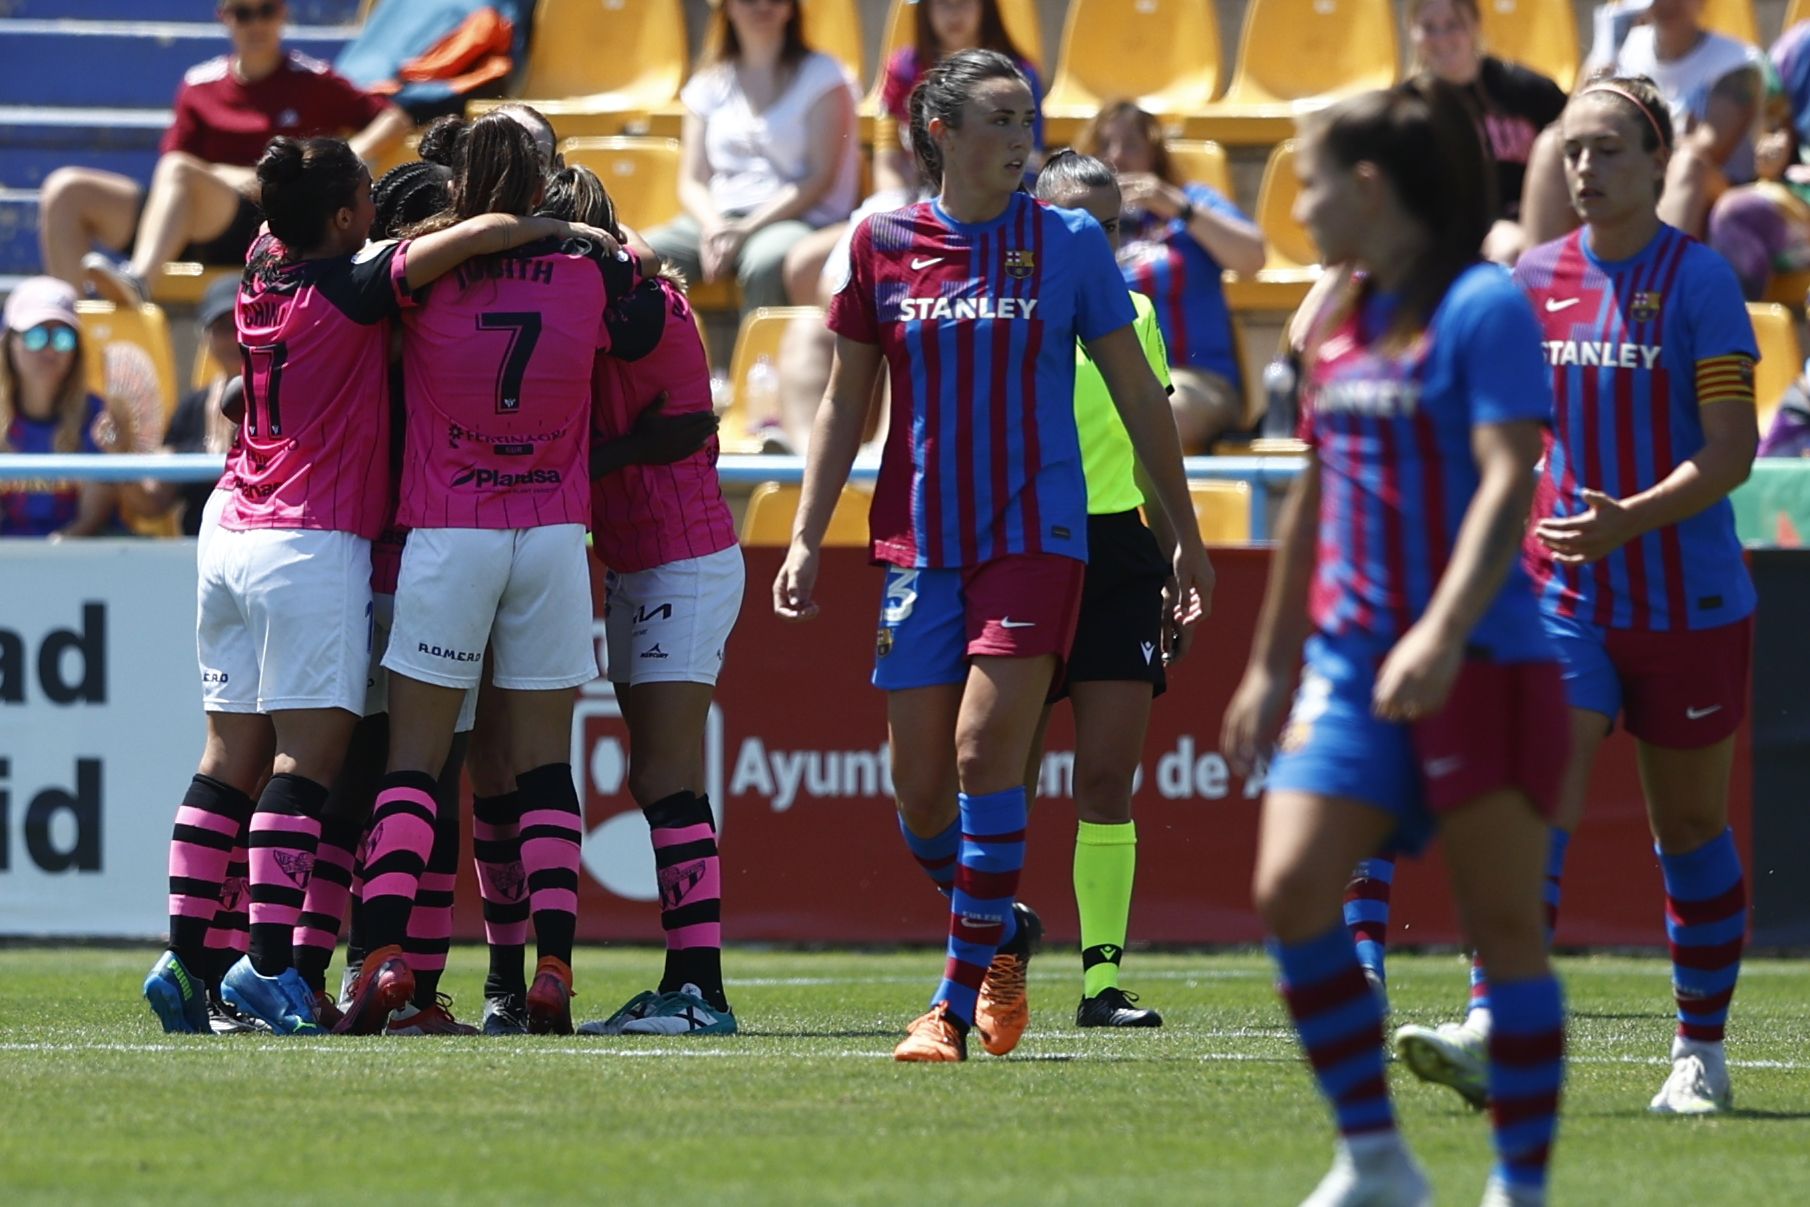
(98, 1106)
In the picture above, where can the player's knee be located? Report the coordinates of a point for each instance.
(1103, 795)
(1286, 898)
(1680, 834)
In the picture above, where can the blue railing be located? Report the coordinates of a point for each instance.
(1268, 476)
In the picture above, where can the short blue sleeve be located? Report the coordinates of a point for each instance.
(1490, 327)
(1101, 304)
(1206, 197)
(1715, 309)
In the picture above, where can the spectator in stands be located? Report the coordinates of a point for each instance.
(199, 424)
(199, 203)
(1175, 238)
(817, 263)
(1713, 85)
(46, 407)
(1764, 227)
(1514, 102)
(769, 150)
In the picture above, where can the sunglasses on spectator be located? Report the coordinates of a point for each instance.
(49, 335)
(245, 14)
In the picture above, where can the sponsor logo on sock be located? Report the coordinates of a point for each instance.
(1102, 953)
(976, 922)
(510, 880)
(676, 882)
(297, 865)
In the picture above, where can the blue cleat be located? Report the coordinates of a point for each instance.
(178, 998)
(284, 1003)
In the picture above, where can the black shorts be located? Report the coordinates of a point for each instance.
(227, 248)
(1119, 635)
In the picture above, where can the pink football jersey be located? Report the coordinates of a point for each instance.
(497, 380)
(314, 446)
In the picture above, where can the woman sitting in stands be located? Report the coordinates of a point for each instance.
(1176, 237)
(769, 150)
(46, 407)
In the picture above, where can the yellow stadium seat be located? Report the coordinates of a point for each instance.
(641, 175)
(1781, 357)
(759, 336)
(1732, 17)
(205, 368)
(1201, 161)
(1288, 243)
(104, 323)
(1223, 511)
(601, 66)
(1541, 34)
(834, 27)
(1296, 55)
(773, 506)
(1789, 289)
(182, 282)
(1163, 53)
(1797, 10)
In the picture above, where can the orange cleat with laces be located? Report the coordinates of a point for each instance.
(550, 998)
(933, 1038)
(1004, 1009)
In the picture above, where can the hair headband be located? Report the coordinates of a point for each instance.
(1639, 104)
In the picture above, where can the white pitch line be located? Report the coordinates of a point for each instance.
(609, 1052)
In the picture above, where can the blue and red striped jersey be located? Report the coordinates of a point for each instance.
(1624, 339)
(1392, 429)
(1162, 261)
(978, 323)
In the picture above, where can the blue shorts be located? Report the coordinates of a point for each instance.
(1503, 726)
(933, 620)
(1683, 690)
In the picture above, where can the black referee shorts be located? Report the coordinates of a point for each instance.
(1119, 635)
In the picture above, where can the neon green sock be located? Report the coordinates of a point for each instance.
(1106, 859)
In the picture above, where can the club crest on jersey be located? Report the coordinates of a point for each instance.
(1021, 262)
(1645, 307)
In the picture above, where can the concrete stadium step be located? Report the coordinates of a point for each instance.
(36, 141)
(18, 232)
(302, 12)
(123, 64)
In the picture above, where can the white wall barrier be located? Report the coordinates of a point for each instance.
(100, 730)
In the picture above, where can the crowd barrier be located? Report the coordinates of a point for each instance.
(100, 727)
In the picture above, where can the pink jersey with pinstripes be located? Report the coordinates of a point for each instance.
(497, 370)
(644, 516)
(314, 447)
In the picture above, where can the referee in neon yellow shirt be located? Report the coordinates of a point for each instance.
(1123, 640)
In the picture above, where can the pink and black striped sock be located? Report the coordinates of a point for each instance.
(208, 826)
(552, 827)
(324, 905)
(496, 853)
(691, 894)
(396, 855)
(229, 934)
(431, 921)
(285, 831)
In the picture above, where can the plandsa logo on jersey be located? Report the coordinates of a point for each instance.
(1602, 354)
(493, 479)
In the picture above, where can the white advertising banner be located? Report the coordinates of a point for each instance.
(100, 730)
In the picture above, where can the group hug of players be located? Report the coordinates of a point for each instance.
(1462, 662)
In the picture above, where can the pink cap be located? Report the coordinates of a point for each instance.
(40, 300)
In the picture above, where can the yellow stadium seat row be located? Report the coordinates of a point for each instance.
(1292, 54)
(773, 506)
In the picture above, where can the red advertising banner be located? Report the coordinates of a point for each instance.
(798, 769)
